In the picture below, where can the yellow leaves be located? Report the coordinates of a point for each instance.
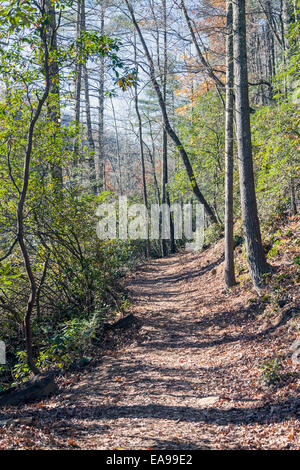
(181, 91)
(181, 111)
(126, 82)
(218, 3)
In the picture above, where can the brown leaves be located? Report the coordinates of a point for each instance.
(191, 383)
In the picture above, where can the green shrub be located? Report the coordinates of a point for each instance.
(212, 234)
(270, 372)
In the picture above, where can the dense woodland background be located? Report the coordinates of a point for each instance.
(100, 98)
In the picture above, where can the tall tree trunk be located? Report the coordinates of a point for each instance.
(78, 80)
(156, 188)
(167, 124)
(229, 248)
(164, 176)
(152, 161)
(157, 191)
(164, 190)
(255, 253)
(293, 202)
(53, 99)
(101, 155)
(91, 143)
(296, 10)
(287, 14)
(270, 57)
(145, 196)
(22, 199)
(120, 179)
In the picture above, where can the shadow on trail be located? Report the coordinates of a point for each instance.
(265, 414)
(192, 328)
(174, 278)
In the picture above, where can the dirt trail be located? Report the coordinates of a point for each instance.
(189, 380)
(150, 395)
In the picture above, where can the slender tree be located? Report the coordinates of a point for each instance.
(46, 41)
(165, 198)
(90, 139)
(78, 76)
(255, 253)
(53, 101)
(229, 253)
(140, 126)
(169, 128)
(120, 179)
(101, 155)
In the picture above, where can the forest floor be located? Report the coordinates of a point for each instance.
(189, 378)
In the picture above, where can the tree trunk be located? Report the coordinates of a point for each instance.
(53, 100)
(287, 14)
(167, 125)
(120, 179)
(293, 203)
(22, 200)
(78, 78)
(91, 143)
(152, 161)
(255, 253)
(145, 197)
(270, 57)
(101, 155)
(229, 248)
(164, 190)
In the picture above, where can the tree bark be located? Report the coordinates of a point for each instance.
(91, 143)
(120, 179)
(229, 246)
(293, 202)
(78, 78)
(101, 155)
(53, 99)
(287, 14)
(145, 196)
(270, 58)
(152, 160)
(255, 253)
(22, 200)
(165, 178)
